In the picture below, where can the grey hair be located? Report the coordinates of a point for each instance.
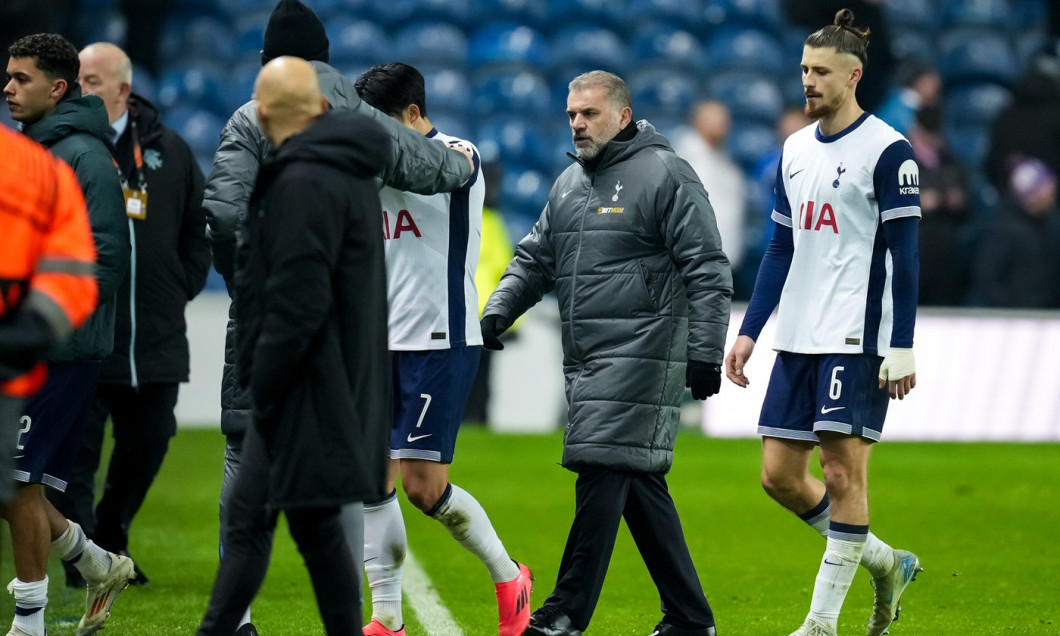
(614, 87)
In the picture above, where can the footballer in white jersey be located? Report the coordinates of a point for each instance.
(835, 193)
(432, 247)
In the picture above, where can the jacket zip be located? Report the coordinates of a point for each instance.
(132, 306)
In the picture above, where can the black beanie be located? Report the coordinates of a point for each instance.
(294, 29)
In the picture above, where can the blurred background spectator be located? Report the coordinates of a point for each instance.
(946, 224)
(1019, 266)
(919, 87)
(703, 146)
(762, 200)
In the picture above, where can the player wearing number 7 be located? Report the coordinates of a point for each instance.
(843, 268)
(432, 246)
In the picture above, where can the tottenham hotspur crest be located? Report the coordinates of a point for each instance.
(153, 159)
(618, 188)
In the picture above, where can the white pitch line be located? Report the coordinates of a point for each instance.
(424, 599)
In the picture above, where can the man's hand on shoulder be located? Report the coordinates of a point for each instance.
(704, 378)
(464, 149)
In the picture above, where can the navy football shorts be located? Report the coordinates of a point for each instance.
(430, 393)
(52, 423)
(809, 393)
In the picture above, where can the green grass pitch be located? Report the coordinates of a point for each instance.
(982, 517)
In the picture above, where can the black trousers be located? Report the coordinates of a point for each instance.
(143, 422)
(248, 544)
(604, 497)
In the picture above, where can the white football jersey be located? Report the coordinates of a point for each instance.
(835, 193)
(432, 246)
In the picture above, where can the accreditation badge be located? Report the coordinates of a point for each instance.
(135, 203)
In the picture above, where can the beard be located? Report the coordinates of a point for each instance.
(822, 110)
(596, 145)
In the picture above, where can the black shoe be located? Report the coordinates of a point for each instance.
(246, 630)
(551, 621)
(73, 576)
(141, 578)
(669, 629)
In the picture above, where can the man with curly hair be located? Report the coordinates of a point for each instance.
(43, 95)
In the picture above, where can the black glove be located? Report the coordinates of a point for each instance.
(493, 326)
(703, 378)
(25, 338)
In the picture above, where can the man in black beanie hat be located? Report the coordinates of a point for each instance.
(413, 163)
(294, 29)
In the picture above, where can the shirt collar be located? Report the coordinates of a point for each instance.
(119, 126)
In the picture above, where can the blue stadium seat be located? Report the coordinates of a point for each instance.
(431, 42)
(529, 12)
(1028, 15)
(913, 13)
(191, 38)
(507, 42)
(237, 8)
(749, 141)
(511, 140)
(393, 14)
(791, 87)
(992, 14)
(970, 142)
(687, 14)
(662, 91)
(199, 85)
(976, 103)
(328, 10)
(100, 25)
(447, 88)
(747, 49)
(250, 34)
(239, 88)
(523, 193)
(754, 96)
(201, 129)
(909, 43)
(605, 13)
(357, 44)
(144, 83)
(579, 48)
(967, 55)
(665, 44)
(760, 14)
(452, 122)
(514, 90)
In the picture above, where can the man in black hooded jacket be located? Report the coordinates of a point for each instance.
(311, 349)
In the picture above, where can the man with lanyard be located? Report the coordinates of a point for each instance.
(170, 258)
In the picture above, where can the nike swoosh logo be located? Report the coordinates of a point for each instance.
(564, 195)
(413, 439)
(792, 175)
(825, 411)
(827, 562)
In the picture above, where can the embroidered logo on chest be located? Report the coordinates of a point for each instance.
(153, 159)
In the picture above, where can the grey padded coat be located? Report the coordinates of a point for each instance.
(633, 253)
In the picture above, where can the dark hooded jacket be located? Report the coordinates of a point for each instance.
(412, 162)
(170, 257)
(310, 290)
(76, 132)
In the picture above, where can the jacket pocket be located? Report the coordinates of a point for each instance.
(646, 278)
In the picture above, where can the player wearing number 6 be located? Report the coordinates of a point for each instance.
(842, 266)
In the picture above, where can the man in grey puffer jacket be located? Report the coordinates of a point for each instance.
(629, 242)
(414, 163)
